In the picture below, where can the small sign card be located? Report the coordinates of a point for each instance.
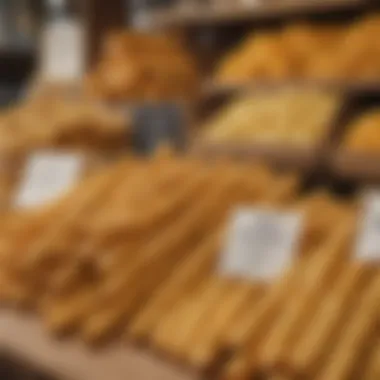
(63, 51)
(368, 242)
(48, 175)
(261, 243)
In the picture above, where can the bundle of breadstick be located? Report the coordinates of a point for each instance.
(133, 251)
(92, 261)
(317, 322)
(206, 309)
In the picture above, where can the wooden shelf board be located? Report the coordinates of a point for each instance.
(281, 8)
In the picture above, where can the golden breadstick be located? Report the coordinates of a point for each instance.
(321, 333)
(61, 315)
(196, 219)
(265, 309)
(191, 272)
(258, 323)
(203, 346)
(361, 323)
(301, 306)
(185, 315)
(142, 201)
(372, 371)
(236, 369)
(200, 317)
(161, 336)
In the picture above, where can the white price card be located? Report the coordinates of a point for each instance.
(47, 176)
(261, 243)
(368, 242)
(63, 51)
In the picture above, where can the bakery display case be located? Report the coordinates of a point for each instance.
(251, 251)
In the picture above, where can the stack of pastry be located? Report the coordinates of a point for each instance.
(58, 122)
(287, 117)
(305, 51)
(135, 66)
(363, 134)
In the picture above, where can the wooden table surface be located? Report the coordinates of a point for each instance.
(24, 337)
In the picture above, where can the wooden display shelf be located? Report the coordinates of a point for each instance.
(279, 156)
(23, 337)
(211, 89)
(207, 15)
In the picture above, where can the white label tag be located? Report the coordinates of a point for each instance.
(47, 176)
(368, 242)
(63, 52)
(261, 243)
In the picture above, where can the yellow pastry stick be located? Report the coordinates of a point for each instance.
(321, 333)
(191, 272)
(373, 368)
(301, 307)
(361, 324)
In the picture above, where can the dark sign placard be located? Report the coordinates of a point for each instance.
(160, 124)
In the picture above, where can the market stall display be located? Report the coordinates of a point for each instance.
(254, 253)
(85, 264)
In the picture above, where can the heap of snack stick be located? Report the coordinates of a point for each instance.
(304, 51)
(134, 250)
(287, 117)
(124, 223)
(318, 322)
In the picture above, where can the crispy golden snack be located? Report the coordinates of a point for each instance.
(159, 257)
(372, 371)
(306, 356)
(191, 272)
(252, 332)
(202, 347)
(359, 327)
(300, 308)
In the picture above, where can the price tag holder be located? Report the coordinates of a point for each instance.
(261, 243)
(368, 242)
(158, 124)
(47, 176)
(63, 51)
